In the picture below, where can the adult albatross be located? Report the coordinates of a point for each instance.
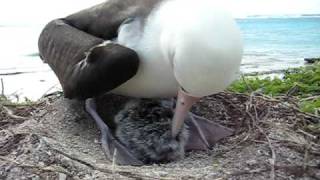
(146, 48)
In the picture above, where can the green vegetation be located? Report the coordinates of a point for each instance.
(303, 83)
(311, 105)
(4, 100)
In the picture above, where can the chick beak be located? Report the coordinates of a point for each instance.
(183, 105)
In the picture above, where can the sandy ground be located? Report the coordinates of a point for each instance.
(55, 139)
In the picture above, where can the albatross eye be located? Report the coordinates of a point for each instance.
(184, 90)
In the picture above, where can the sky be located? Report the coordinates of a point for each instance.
(41, 11)
(242, 8)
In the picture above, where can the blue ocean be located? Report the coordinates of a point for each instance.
(279, 43)
(269, 44)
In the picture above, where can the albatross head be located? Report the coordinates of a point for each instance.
(204, 46)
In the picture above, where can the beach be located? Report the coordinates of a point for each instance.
(270, 45)
(275, 130)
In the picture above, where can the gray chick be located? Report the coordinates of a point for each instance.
(144, 127)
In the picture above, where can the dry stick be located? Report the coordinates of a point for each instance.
(239, 173)
(295, 170)
(306, 156)
(292, 90)
(11, 114)
(233, 146)
(254, 120)
(268, 98)
(247, 133)
(308, 134)
(310, 98)
(235, 107)
(39, 168)
(114, 163)
(45, 94)
(245, 82)
(2, 87)
(296, 146)
(274, 100)
(121, 172)
(74, 158)
(273, 153)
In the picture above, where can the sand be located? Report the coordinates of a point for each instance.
(55, 139)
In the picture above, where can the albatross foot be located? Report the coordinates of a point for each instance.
(112, 148)
(204, 133)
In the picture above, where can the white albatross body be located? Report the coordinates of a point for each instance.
(182, 43)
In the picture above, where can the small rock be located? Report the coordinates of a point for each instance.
(62, 176)
(41, 164)
(162, 173)
(251, 162)
(35, 178)
(86, 151)
(312, 60)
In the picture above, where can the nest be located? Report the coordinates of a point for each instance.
(273, 139)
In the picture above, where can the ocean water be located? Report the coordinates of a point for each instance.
(269, 44)
(22, 72)
(279, 43)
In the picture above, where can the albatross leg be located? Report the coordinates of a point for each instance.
(113, 149)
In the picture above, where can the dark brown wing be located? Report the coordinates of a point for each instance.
(68, 46)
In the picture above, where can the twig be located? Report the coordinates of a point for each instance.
(108, 171)
(268, 98)
(114, 162)
(306, 156)
(292, 90)
(273, 154)
(45, 94)
(245, 82)
(11, 114)
(74, 158)
(308, 134)
(254, 171)
(310, 98)
(237, 108)
(256, 119)
(297, 171)
(38, 168)
(232, 146)
(2, 87)
(298, 147)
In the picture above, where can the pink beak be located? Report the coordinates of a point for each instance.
(183, 105)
